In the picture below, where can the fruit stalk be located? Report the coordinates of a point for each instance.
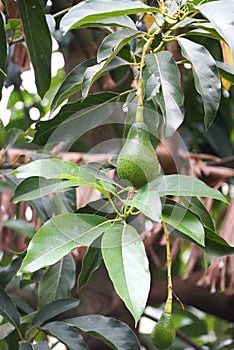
(139, 93)
(168, 306)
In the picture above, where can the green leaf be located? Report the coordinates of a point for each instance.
(33, 18)
(90, 263)
(54, 168)
(75, 119)
(183, 220)
(163, 69)
(196, 207)
(100, 207)
(8, 309)
(88, 11)
(220, 14)
(20, 226)
(5, 330)
(53, 309)
(58, 281)
(121, 21)
(93, 73)
(72, 83)
(226, 71)
(36, 187)
(127, 264)
(58, 236)
(3, 56)
(51, 168)
(115, 334)
(148, 203)
(113, 43)
(182, 185)
(8, 328)
(216, 245)
(206, 77)
(198, 27)
(64, 202)
(66, 334)
(7, 273)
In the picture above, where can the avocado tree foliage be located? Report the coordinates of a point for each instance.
(110, 227)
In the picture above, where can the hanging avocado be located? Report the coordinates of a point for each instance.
(163, 334)
(137, 161)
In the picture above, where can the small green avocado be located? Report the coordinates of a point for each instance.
(163, 334)
(137, 161)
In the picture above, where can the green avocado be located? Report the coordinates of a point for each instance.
(137, 161)
(163, 333)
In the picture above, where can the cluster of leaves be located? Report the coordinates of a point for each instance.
(105, 226)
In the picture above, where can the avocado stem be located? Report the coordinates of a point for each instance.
(139, 93)
(139, 114)
(168, 306)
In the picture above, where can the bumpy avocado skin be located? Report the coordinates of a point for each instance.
(137, 161)
(163, 334)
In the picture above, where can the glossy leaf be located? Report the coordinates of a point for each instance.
(72, 83)
(5, 330)
(20, 226)
(183, 220)
(3, 56)
(113, 43)
(33, 17)
(8, 272)
(127, 265)
(8, 309)
(121, 21)
(8, 328)
(115, 334)
(42, 207)
(66, 334)
(216, 245)
(58, 236)
(36, 187)
(53, 168)
(93, 73)
(220, 14)
(86, 12)
(169, 95)
(148, 203)
(206, 77)
(50, 168)
(63, 202)
(75, 119)
(197, 207)
(199, 27)
(58, 281)
(226, 71)
(91, 262)
(53, 309)
(182, 185)
(100, 207)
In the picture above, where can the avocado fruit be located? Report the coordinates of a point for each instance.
(163, 333)
(137, 161)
